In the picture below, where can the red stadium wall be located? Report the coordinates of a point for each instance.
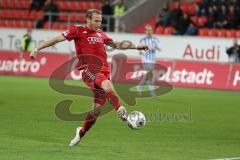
(11, 64)
(179, 73)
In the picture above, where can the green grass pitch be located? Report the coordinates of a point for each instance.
(29, 129)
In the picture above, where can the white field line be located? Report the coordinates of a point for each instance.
(233, 158)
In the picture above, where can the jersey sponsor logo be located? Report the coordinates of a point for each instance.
(93, 40)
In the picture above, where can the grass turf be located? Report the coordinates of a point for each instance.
(29, 129)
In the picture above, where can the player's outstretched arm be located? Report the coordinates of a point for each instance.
(46, 44)
(127, 45)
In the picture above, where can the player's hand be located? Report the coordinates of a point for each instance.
(142, 47)
(33, 54)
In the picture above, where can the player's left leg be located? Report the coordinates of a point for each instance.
(103, 82)
(150, 79)
(88, 123)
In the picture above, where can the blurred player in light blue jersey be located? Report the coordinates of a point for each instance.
(148, 59)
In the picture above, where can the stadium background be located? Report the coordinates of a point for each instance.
(206, 82)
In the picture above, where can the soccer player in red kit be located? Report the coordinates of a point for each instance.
(90, 40)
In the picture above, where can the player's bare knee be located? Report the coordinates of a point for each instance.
(106, 85)
(96, 110)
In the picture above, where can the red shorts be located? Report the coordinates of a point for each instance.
(94, 83)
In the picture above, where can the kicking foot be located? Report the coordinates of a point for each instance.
(122, 113)
(77, 138)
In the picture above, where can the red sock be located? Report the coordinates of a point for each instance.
(113, 99)
(88, 123)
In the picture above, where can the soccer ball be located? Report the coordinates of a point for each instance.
(136, 120)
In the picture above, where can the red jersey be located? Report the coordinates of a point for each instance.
(89, 42)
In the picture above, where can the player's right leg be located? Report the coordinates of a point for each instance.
(88, 123)
(151, 80)
(144, 79)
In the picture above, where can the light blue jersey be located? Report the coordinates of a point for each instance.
(152, 43)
